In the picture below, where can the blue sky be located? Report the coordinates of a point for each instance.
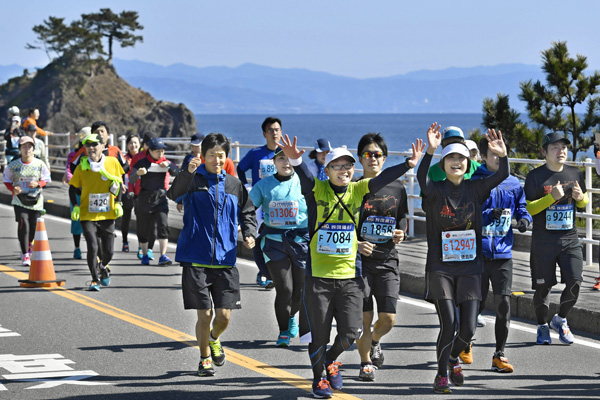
(352, 38)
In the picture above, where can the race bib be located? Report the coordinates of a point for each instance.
(267, 168)
(99, 202)
(283, 213)
(14, 141)
(559, 217)
(336, 238)
(459, 246)
(378, 229)
(24, 182)
(499, 227)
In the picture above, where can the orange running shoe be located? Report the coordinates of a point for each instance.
(500, 363)
(466, 356)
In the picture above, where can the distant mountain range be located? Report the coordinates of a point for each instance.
(256, 89)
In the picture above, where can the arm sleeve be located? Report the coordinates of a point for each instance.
(181, 185)
(537, 206)
(424, 182)
(584, 201)
(122, 161)
(73, 195)
(307, 180)
(388, 176)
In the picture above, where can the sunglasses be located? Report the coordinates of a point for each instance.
(374, 154)
(91, 144)
(339, 167)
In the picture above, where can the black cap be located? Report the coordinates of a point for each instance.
(156, 144)
(322, 145)
(553, 137)
(196, 139)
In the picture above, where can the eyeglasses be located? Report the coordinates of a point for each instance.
(339, 167)
(91, 144)
(374, 154)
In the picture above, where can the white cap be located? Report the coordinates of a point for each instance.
(337, 153)
(459, 148)
(14, 110)
(84, 132)
(471, 145)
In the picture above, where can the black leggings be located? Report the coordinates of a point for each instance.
(318, 356)
(288, 280)
(502, 307)
(568, 298)
(94, 232)
(126, 218)
(26, 220)
(448, 345)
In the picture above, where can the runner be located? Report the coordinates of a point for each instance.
(317, 166)
(506, 201)
(552, 192)
(12, 135)
(260, 160)
(382, 225)
(25, 177)
(40, 147)
(209, 277)
(454, 254)
(334, 284)
(284, 241)
(97, 179)
(152, 207)
(450, 135)
(133, 147)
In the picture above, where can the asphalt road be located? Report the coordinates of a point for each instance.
(133, 340)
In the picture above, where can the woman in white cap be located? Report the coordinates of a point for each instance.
(454, 254)
(317, 166)
(12, 135)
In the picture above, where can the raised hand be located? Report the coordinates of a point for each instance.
(417, 153)
(194, 164)
(289, 148)
(434, 137)
(495, 143)
(577, 192)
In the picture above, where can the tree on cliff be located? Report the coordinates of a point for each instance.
(551, 107)
(84, 36)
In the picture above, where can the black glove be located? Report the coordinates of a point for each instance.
(496, 213)
(522, 225)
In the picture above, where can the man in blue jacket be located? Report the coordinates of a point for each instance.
(215, 203)
(506, 201)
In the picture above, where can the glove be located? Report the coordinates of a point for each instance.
(522, 225)
(496, 213)
(75, 213)
(130, 195)
(118, 210)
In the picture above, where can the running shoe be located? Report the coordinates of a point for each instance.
(205, 368)
(500, 363)
(284, 339)
(105, 276)
(26, 260)
(597, 285)
(321, 389)
(560, 325)
(440, 385)
(376, 355)
(217, 352)
(140, 253)
(150, 254)
(125, 248)
(456, 375)
(145, 260)
(164, 260)
(30, 249)
(367, 373)
(263, 282)
(269, 284)
(480, 321)
(77, 254)
(94, 287)
(293, 328)
(333, 374)
(543, 335)
(466, 356)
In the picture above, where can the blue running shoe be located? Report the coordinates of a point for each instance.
(164, 260)
(145, 260)
(284, 339)
(105, 276)
(293, 327)
(94, 287)
(543, 335)
(560, 325)
(140, 254)
(321, 389)
(77, 254)
(150, 254)
(333, 374)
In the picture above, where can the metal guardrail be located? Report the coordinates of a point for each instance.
(57, 163)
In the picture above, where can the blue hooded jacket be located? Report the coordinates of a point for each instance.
(214, 206)
(508, 195)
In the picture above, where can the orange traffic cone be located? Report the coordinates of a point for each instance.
(41, 272)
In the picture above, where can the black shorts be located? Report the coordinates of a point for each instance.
(325, 299)
(296, 252)
(201, 284)
(383, 284)
(460, 288)
(568, 254)
(499, 272)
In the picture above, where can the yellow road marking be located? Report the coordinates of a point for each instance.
(234, 357)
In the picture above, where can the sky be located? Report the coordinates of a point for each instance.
(344, 37)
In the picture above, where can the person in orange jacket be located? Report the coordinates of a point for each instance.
(32, 117)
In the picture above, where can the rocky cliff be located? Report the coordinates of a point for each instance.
(72, 95)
